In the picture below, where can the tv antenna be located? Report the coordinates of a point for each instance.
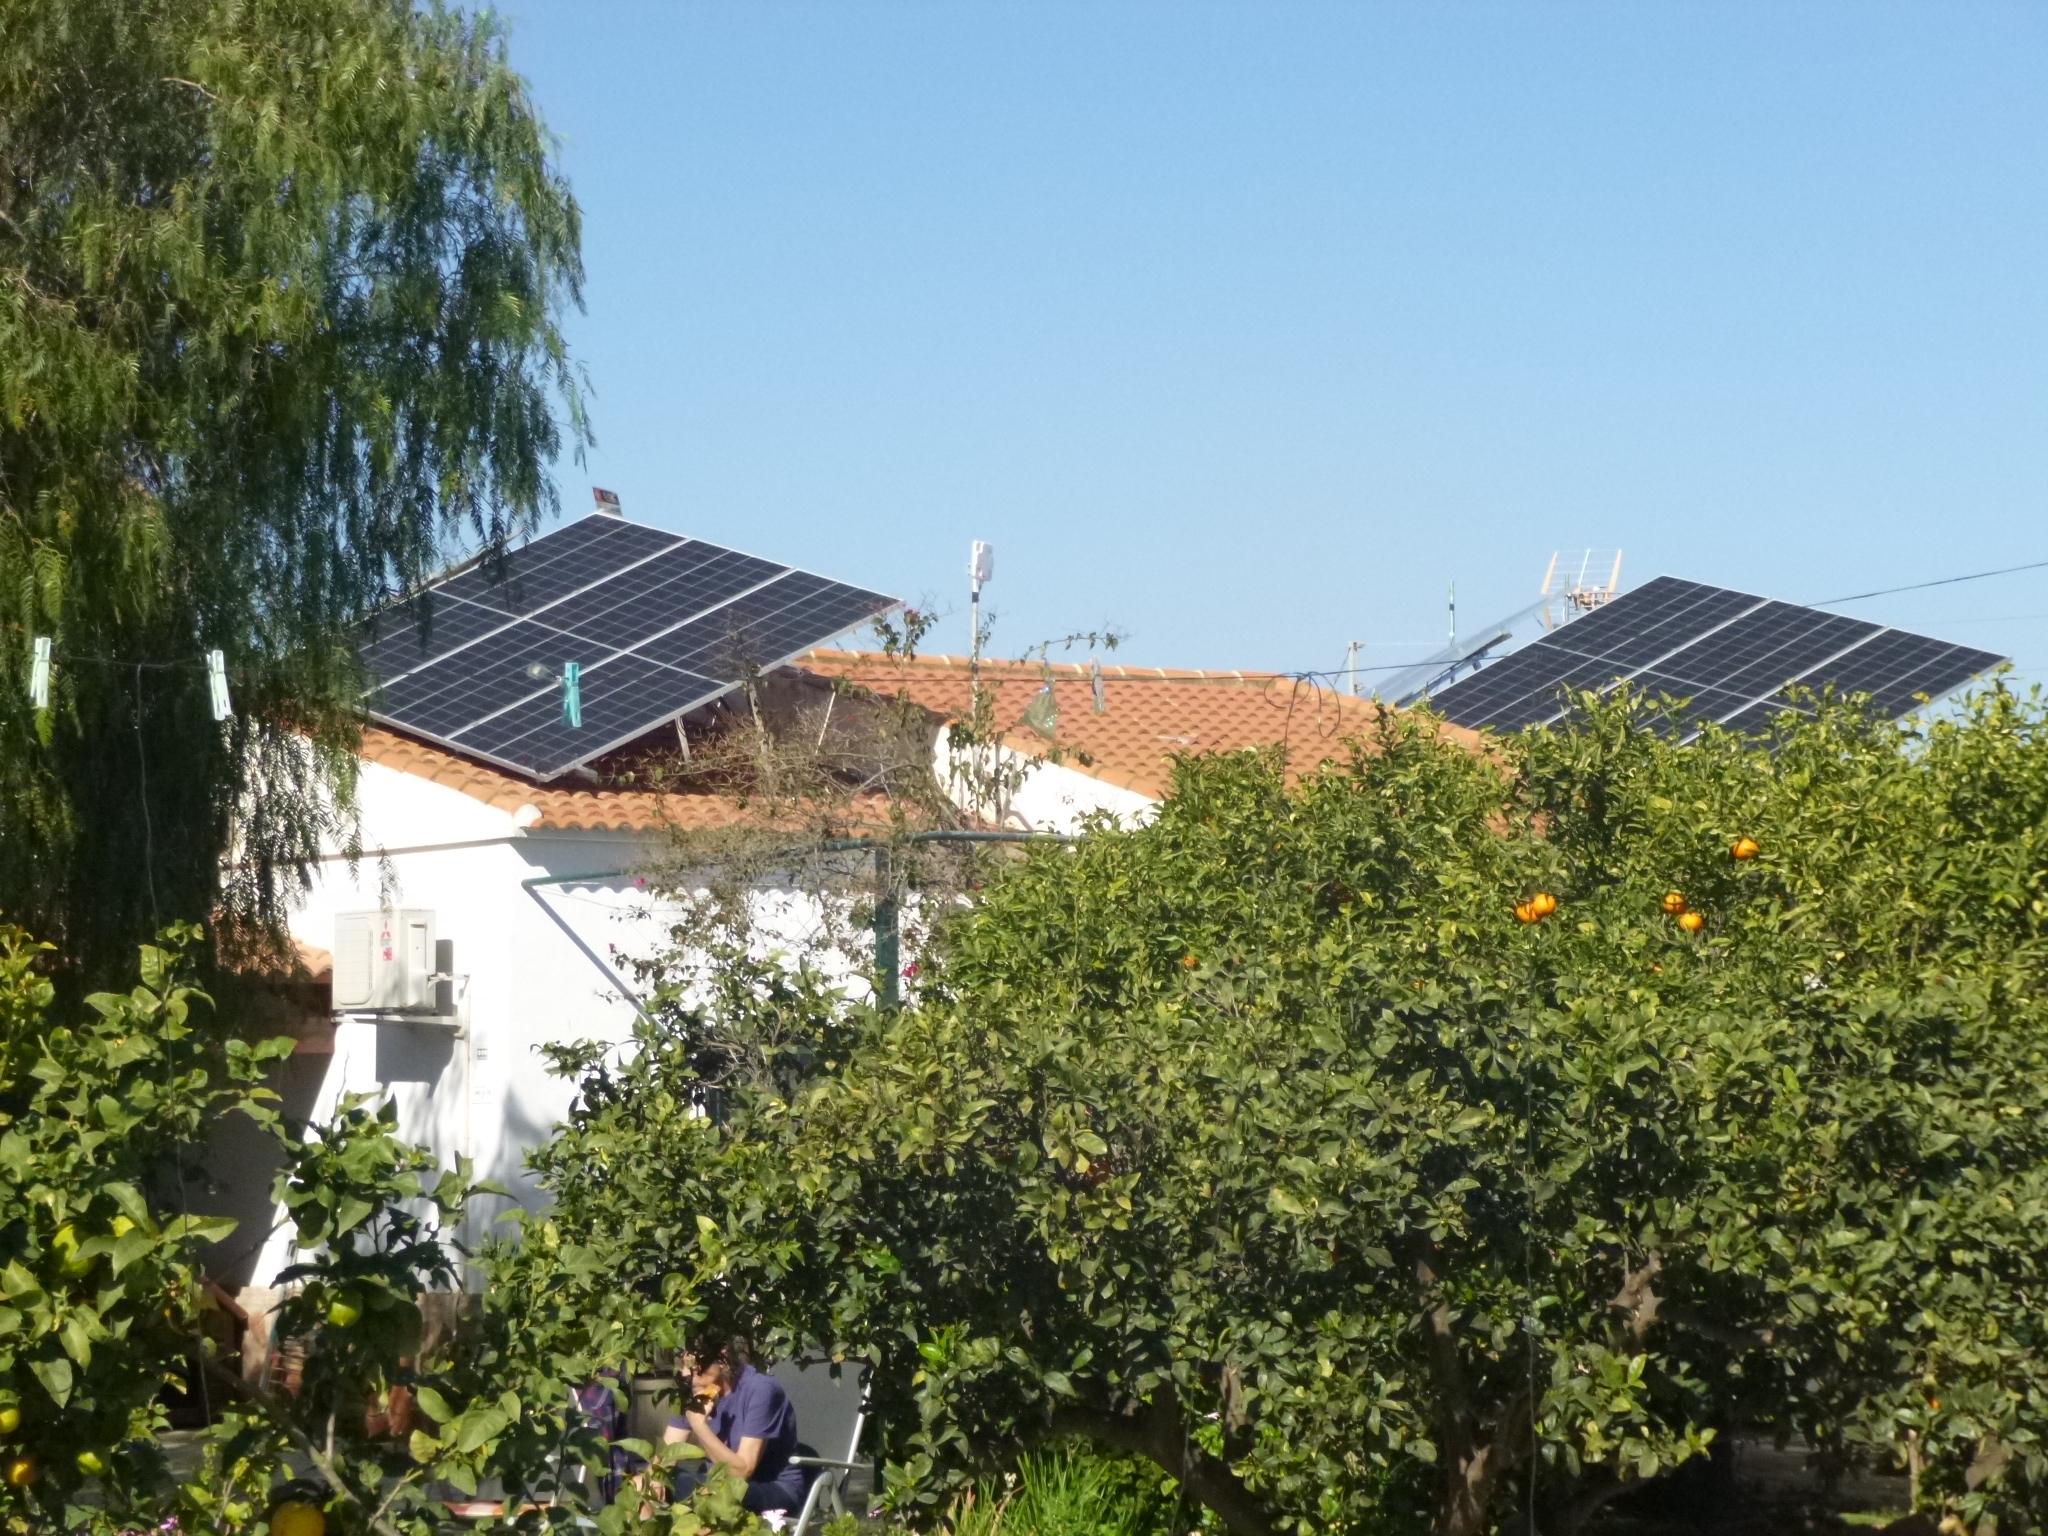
(1572, 586)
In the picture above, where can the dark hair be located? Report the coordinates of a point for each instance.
(735, 1349)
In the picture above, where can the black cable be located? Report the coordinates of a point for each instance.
(1946, 581)
(148, 833)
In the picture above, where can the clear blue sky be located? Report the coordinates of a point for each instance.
(1248, 327)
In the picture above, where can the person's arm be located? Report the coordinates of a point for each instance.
(742, 1460)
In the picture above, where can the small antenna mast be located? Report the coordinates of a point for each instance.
(1454, 615)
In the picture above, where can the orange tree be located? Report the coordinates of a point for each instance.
(1293, 1142)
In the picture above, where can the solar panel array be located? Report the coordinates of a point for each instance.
(659, 625)
(1730, 655)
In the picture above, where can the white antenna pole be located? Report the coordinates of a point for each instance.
(1454, 615)
(1614, 581)
(1351, 666)
(981, 565)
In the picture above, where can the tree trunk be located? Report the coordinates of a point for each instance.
(1160, 1432)
(1474, 1454)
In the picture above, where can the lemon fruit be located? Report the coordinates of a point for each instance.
(20, 1472)
(10, 1419)
(297, 1520)
(65, 1244)
(90, 1464)
(341, 1315)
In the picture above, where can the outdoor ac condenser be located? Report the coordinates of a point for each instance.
(384, 961)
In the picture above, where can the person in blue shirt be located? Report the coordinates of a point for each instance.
(741, 1419)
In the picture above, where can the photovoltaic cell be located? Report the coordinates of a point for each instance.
(1729, 656)
(658, 624)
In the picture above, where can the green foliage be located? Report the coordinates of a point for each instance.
(1068, 1491)
(98, 1293)
(1267, 1141)
(279, 291)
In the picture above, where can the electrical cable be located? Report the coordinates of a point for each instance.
(148, 832)
(1919, 586)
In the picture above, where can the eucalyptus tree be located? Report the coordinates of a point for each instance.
(1438, 1140)
(281, 285)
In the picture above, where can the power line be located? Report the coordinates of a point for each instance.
(1946, 581)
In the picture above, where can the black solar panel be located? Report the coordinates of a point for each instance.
(1730, 656)
(658, 625)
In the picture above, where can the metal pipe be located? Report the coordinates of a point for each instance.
(532, 888)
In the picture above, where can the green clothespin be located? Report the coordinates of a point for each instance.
(572, 695)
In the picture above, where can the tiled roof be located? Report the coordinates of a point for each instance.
(569, 810)
(1150, 714)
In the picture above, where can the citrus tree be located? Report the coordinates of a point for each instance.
(102, 1116)
(1433, 1139)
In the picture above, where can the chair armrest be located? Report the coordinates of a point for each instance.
(820, 1461)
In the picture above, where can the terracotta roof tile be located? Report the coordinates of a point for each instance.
(1150, 715)
(569, 810)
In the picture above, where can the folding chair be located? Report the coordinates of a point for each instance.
(831, 1411)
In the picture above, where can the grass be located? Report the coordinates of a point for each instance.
(1065, 1492)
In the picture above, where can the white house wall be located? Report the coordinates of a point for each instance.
(477, 1086)
(1048, 796)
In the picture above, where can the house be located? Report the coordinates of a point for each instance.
(493, 900)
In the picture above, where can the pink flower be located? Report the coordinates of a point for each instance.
(910, 970)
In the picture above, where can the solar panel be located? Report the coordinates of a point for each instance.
(1729, 655)
(658, 624)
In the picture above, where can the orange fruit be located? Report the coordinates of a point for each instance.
(1543, 903)
(1188, 962)
(1745, 848)
(1526, 911)
(1691, 922)
(20, 1472)
(1674, 903)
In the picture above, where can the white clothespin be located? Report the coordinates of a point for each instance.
(217, 684)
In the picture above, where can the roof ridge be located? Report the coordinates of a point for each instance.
(945, 661)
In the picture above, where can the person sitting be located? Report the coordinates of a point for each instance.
(741, 1419)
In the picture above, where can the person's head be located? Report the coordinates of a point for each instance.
(717, 1361)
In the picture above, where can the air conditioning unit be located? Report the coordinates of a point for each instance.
(384, 962)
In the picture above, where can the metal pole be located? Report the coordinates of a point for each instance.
(888, 934)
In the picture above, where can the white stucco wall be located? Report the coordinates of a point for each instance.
(477, 1086)
(1048, 796)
